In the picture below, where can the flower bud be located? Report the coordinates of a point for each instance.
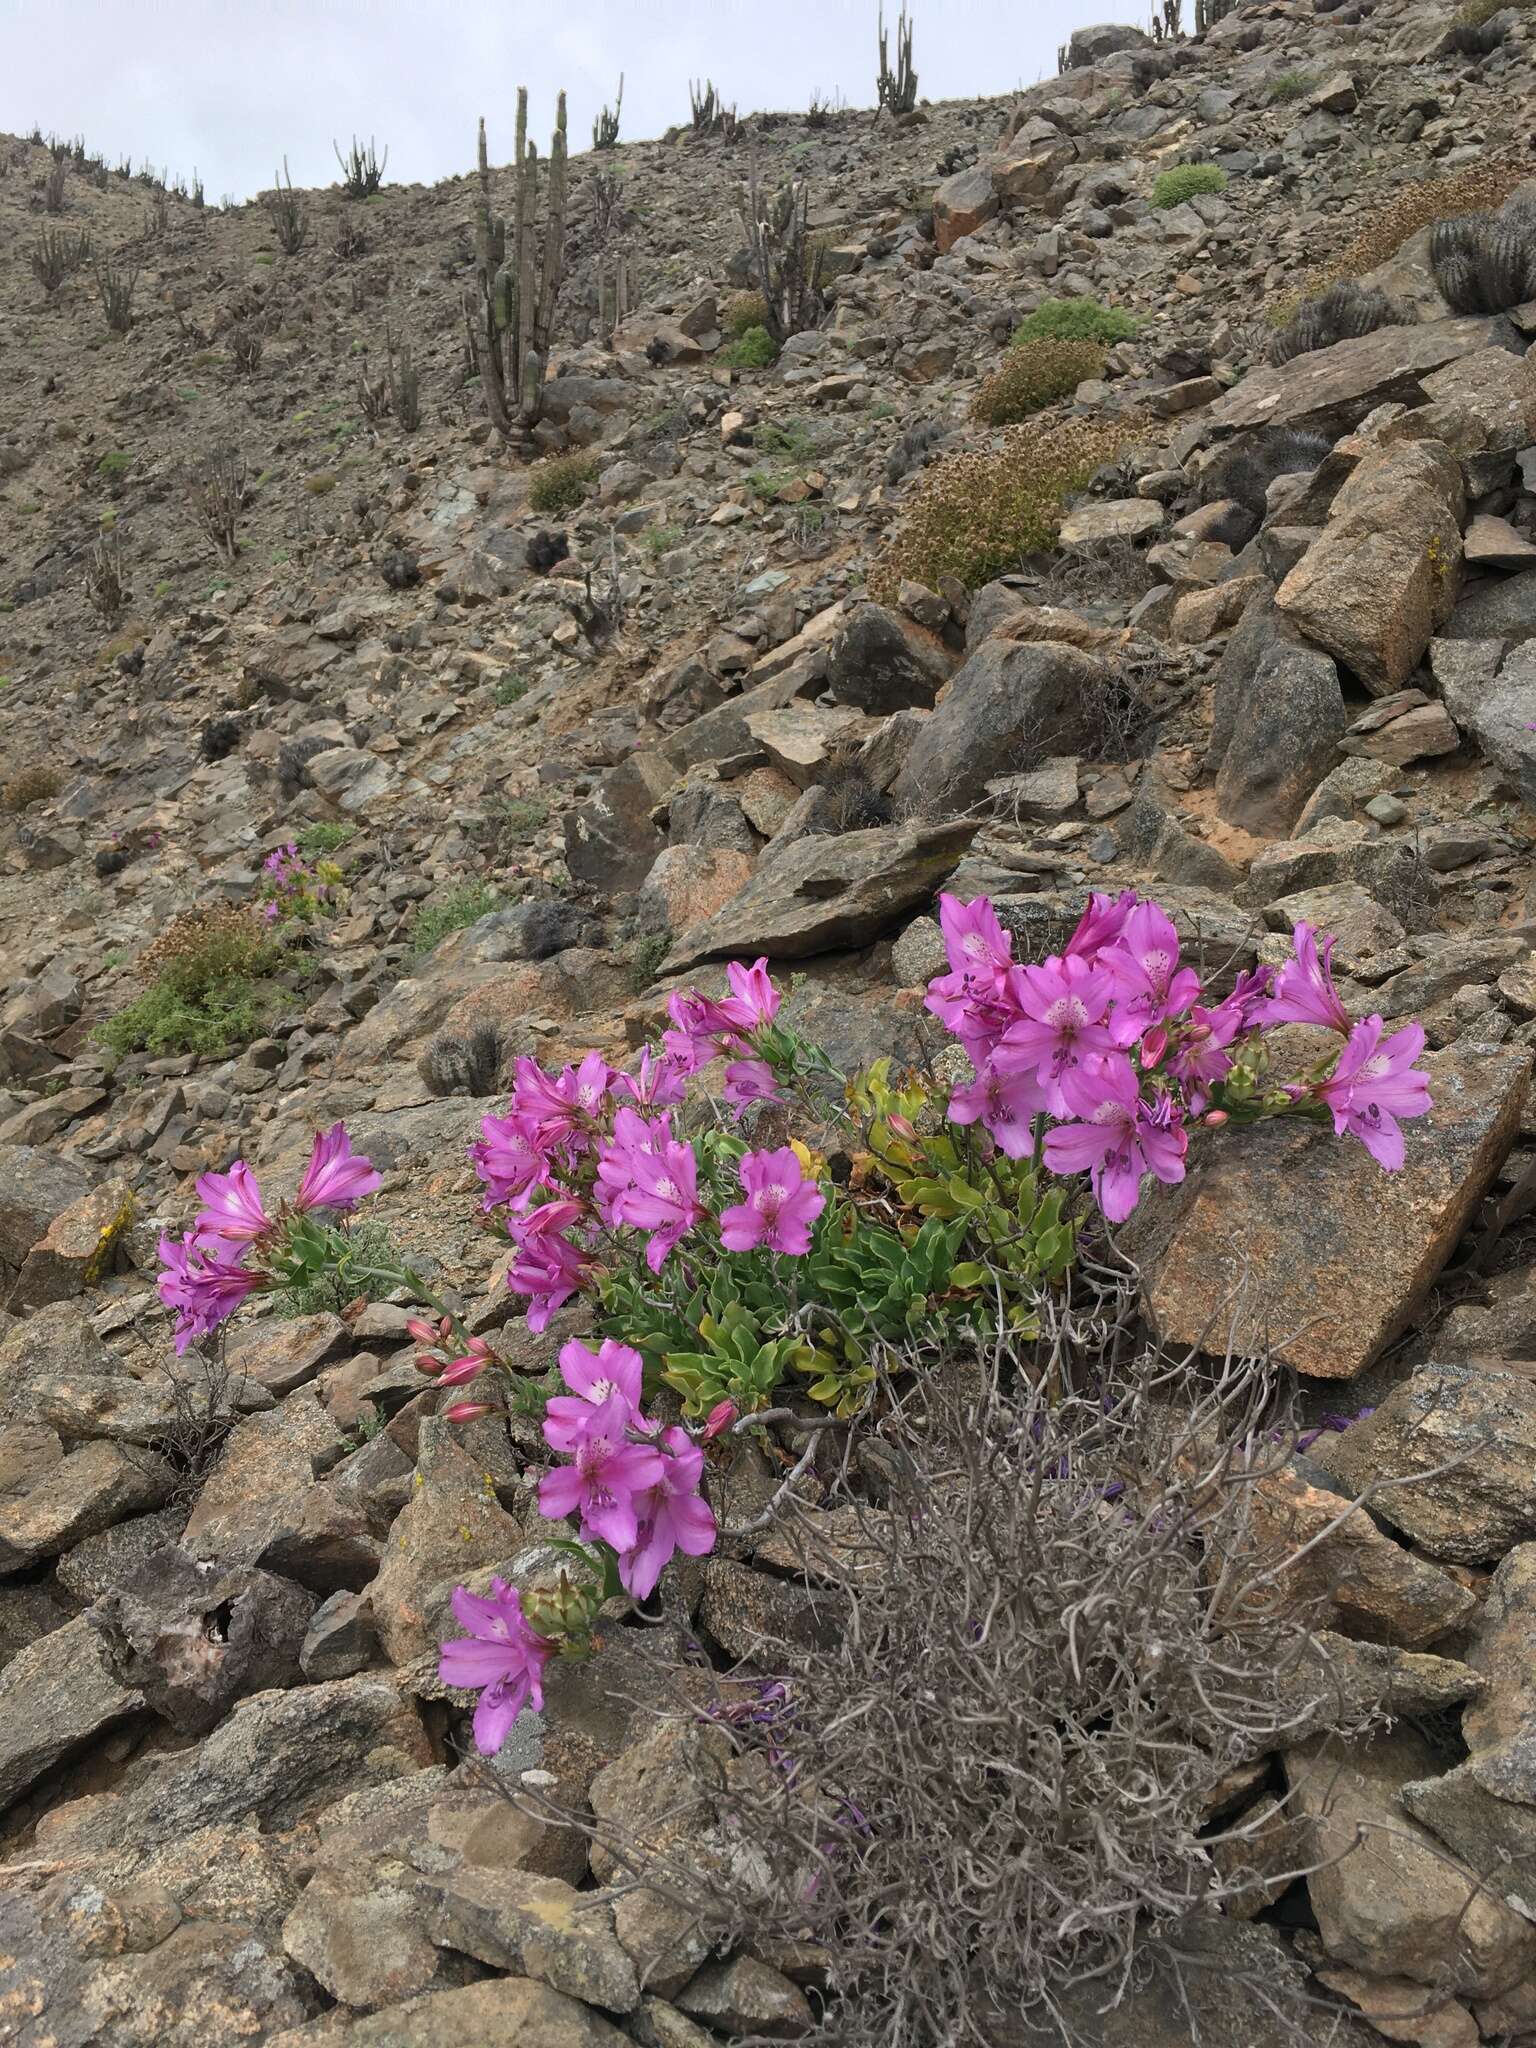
(1153, 1045)
(467, 1411)
(718, 1420)
(1214, 1119)
(429, 1363)
(424, 1333)
(900, 1127)
(460, 1371)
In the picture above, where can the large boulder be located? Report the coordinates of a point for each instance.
(1284, 737)
(881, 662)
(824, 894)
(1011, 706)
(1383, 574)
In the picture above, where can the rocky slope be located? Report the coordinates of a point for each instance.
(1317, 703)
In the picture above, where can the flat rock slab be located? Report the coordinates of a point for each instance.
(824, 894)
(1336, 387)
(54, 1696)
(503, 2012)
(1298, 1237)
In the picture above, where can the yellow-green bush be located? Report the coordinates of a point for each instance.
(1035, 374)
(976, 515)
(561, 482)
(743, 310)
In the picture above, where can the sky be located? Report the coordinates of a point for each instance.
(229, 87)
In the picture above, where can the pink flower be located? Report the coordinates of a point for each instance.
(594, 1377)
(718, 1420)
(616, 1157)
(1143, 963)
(601, 1484)
(1304, 990)
(749, 1081)
(706, 1026)
(1120, 1137)
(547, 1267)
(1005, 1103)
(1064, 1004)
(661, 1082)
(501, 1658)
(755, 1000)
(672, 1517)
(980, 956)
(1374, 1084)
(1201, 1059)
(780, 1208)
(232, 1206)
(336, 1177)
(458, 1372)
(204, 1281)
(663, 1198)
(1102, 923)
(510, 1159)
(561, 1108)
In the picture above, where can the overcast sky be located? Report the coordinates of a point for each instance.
(229, 86)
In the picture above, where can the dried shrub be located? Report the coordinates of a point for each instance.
(1033, 375)
(561, 483)
(32, 785)
(246, 342)
(743, 310)
(1419, 205)
(980, 1782)
(203, 990)
(106, 577)
(200, 946)
(975, 515)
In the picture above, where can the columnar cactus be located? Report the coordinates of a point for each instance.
(785, 259)
(510, 306)
(898, 88)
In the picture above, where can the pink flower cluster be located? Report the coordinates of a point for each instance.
(592, 1151)
(290, 886)
(1111, 1044)
(635, 1490)
(204, 1276)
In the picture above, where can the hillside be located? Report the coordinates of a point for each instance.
(1218, 583)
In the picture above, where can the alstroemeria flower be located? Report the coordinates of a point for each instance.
(1120, 1137)
(1143, 963)
(663, 1198)
(780, 1208)
(232, 1205)
(672, 1517)
(1304, 990)
(606, 1473)
(336, 1177)
(1064, 1002)
(594, 1377)
(501, 1658)
(510, 1159)
(547, 1267)
(754, 999)
(1102, 923)
(1375, 1083)
(1006, 1104)
(204, 1280)
(749, 1081)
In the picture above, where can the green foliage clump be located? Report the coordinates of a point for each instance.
(1035, 374)
(645, 958)
(206, 994)
(561, 483)
(1076, 320)
(324, 838)
(115, 464)
(1290, 85)
(975, 515)
(658, 539)
(361, 1265)
(1187, 181)
(742, 311)
(756, 349)
(454, 912)
(510, 690)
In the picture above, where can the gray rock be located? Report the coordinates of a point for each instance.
(611, 841)
(49, 1501)
(194, 1638)
(882, 662)
(1012, 705)
(824, 894)
(35, 1187)
(54, 1697)
(503, 2012)
(1284, 738)
(341, 1639)
(745, 1996)
(536, 1926)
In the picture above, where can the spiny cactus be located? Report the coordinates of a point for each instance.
(1245, 471)
(1485, 262)
(470, 1065)
(605, 129)
(785, 260)
(57, 255)
(913, 448)
(898, 88)
(361, 172)
(510, 306)
(1342, 313)
(116, 282)
(706, 106)
(289, 221)
(1209, 12)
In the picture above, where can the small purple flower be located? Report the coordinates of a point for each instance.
(232, 1206)
(672, 1517)
(1064, 1005)
(1006, 1104)
(663, 1198)
(501, 1658)
(780, 1208)
(510, 1159)
(1304, 990)
(1374, 1084)
(594, 1377)
(204, 1280)
(1150, 985)
(546, 1266)
(336, 1176)
(1119, 1139)
(749, 1081)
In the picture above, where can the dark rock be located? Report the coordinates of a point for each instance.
(882, 662)
(54, 1697)
(1285, 734)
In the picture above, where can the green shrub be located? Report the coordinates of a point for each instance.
(316, 840)
(510, 690)
(454, 912)
(658, 539)
(1035, 374)
(206, 990)
(1290, 85)
(1076, 320)
(561, 483)
(645, 958)
(754, 350)
(114, 464)
(321, 484)
(1185, 181)
(743, 310)
(975, 515)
